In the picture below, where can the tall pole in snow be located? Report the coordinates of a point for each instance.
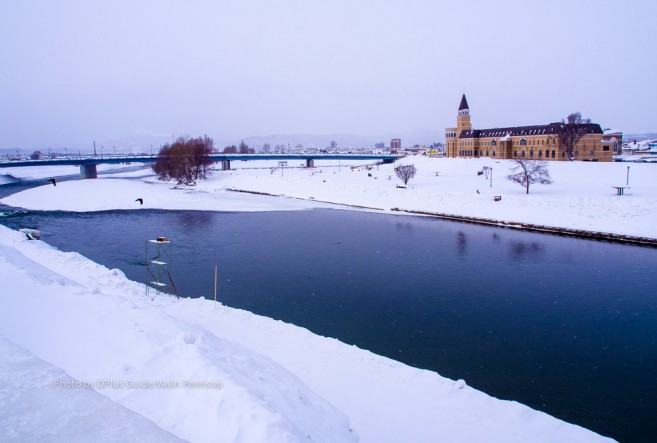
(491, 177)
(628, 177)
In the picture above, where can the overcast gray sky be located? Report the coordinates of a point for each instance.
(77, 71)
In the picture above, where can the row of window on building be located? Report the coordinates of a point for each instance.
(470, 153)
(521, 142)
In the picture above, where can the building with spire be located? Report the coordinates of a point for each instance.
(541, 142)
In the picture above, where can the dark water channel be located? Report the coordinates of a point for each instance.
(564, 325)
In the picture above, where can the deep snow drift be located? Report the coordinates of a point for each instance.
(253, 379)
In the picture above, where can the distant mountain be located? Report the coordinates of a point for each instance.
(627, 138)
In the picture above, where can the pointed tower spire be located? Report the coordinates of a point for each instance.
(464, 104)
(463, 119)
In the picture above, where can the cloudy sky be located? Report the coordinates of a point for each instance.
(112, 70)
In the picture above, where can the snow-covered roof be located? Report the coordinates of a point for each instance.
(643, 145)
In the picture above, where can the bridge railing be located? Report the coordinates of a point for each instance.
(79, 160)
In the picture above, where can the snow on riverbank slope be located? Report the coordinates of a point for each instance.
(582, 196)
(257, 379)
(32, 410)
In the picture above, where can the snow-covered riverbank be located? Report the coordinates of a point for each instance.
(581, 197)
(255, 379)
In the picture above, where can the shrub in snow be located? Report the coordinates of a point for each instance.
(186, 160)
(405, 172)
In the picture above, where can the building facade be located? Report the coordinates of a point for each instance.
(541, 142)
(395, 144)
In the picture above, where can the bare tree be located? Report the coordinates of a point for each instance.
(405, 172)
(528, 172)
(186, 160)
(244, 148)
(266, 148)
(572, 129)
(232, 149)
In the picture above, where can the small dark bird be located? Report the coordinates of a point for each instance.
(53, 181)
(478, 191)
(140, 200)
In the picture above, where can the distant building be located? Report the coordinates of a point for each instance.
(395, 144)
(435, 150)
(642, 147)
(613, 139)
(541, 142)
(380, 145)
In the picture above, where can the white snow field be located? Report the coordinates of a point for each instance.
(67, 321)
(581, 197)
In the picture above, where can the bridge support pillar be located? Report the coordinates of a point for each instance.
(225, 165)
(88, 171)
(310, 163)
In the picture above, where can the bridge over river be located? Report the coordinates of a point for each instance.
(88, 164)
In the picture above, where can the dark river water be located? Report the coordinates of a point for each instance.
(564, 325)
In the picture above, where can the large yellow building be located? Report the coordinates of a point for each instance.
(542, 142)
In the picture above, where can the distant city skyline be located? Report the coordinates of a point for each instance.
(137, 73)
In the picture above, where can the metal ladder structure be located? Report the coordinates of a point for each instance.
(159, 262)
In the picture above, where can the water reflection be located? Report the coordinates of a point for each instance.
(520, 250)
(461, 243)
(196, 219)
(404, 226)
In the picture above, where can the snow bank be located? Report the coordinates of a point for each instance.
(582, 196)
(36, 406)
(278, 382)
(114, 193)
